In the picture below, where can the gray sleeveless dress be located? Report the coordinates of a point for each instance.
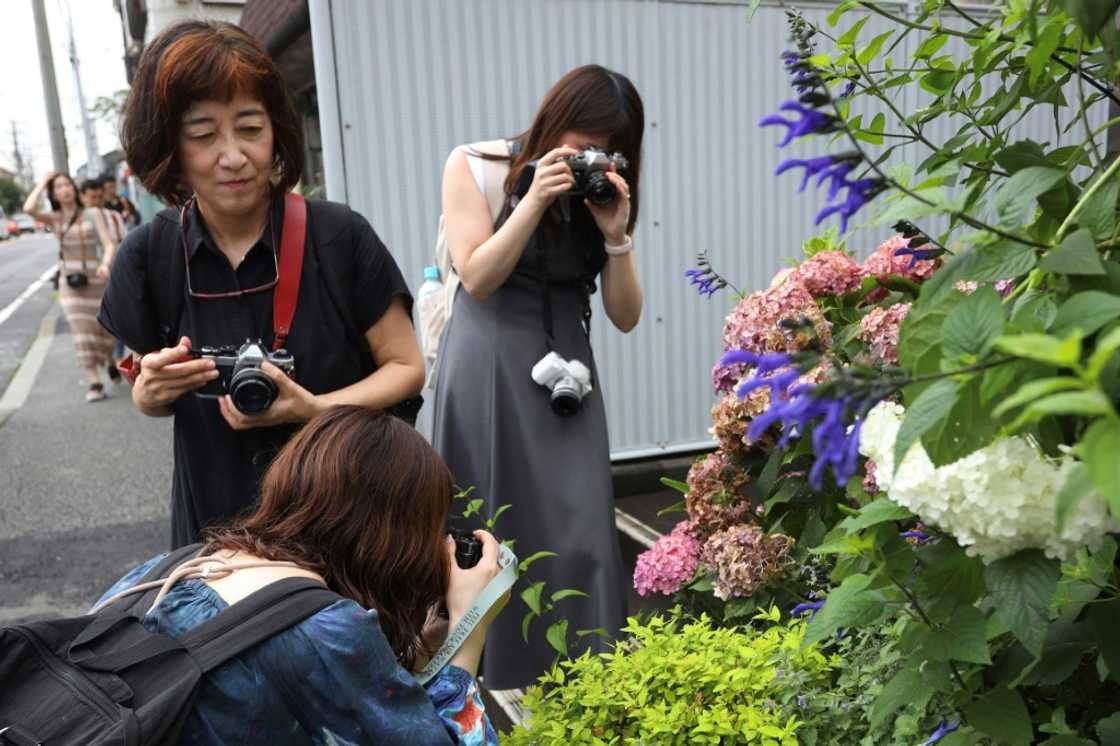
(494, 427)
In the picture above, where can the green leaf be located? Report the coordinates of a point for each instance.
(1109, 730)
(568, 593)
(525, 622)
(1087, 311)
(680, 487)
(1020, 155)
(1038, 57)
(1002, 260)
(927, 410)
(1089, 403)
(972, 326)
(962, 638)
(938, 82)
(1034, 312)
(966, 428)
(1021, 588)
(849, 605)
(557, 636)
(932, 202)
(1104, 619)
(1002, 715)
(1092, 15)
(871, 51)
(1075, 255)
(905, 687)
(1033, 390)
(532, 596)
(841, 9)
(1018, 193)
(872, 133)
(752, 8)
(1098, 214)
(919, 340)
(525, 563)
(1106, 348)
(848, 38)
(1100, 450)
(874, 513)
(930, 46)
(1041, 347)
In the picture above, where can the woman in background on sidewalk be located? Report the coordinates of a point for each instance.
(85, 255)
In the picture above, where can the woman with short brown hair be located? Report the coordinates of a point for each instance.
(209, 128)
(358, 501)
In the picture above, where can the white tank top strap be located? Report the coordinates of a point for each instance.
(476, 166)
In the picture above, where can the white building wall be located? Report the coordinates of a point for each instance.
(401, 82)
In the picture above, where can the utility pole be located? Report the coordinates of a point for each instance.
(93, 153)
(17, 157)
(50, 88)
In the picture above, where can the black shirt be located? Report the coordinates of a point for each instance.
(348, 281)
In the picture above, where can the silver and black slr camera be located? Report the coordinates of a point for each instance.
(240, 374)
(590, 169)
(568, 381)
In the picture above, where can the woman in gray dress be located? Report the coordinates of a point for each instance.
(526, 283)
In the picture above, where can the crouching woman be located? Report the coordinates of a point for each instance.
(359, 501)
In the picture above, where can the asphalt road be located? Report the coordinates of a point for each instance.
(83, 487)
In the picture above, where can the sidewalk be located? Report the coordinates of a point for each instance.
(83, 489)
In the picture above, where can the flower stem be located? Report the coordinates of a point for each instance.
(1100, 182)
(928, 622)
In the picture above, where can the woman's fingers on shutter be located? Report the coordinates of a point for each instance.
(550, 157)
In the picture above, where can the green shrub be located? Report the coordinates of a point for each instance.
(678, 681)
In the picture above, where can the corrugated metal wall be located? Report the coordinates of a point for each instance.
(415, 78)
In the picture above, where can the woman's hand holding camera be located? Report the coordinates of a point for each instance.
(293, 403)
(462, 590)
(551, 179)
(168, 374)
(613, 217)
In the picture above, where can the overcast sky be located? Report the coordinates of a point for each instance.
(97, 35)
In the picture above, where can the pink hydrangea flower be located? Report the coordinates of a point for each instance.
(869, 484)
(1004, 287)
(968, 287)
(744, 559)
(828, 273)
(755, 325)
(879, 329)
(717, 493)
(731, 417)
(669, 564)
(884, 262)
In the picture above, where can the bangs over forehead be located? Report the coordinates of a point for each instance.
(193, 71)
(197, 61)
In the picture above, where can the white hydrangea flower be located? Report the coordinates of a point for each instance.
(995, 501)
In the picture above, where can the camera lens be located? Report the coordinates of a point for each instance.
(566, 398)
(600, 190)
(468, 549)
(252, 391)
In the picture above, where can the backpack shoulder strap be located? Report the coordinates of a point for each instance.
(166, 272)
(494, 173)
(256, 618)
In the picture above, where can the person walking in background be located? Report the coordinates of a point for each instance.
(86, 252)
(119, 203)
(502, 422)
(93, 197)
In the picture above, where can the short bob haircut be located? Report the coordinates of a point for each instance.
(197, 61)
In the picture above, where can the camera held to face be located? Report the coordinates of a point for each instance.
(568, 380)
(468, 549)
(240, 374)
(590, 169)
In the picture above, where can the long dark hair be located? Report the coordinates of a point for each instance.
(55, 205)
(593, 100)
(196, 61)
(361, 498)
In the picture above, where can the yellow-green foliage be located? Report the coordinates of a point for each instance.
(679, 682)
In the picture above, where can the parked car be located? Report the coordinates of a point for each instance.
(24, 222)
(13, 228)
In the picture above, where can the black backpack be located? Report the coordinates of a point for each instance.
(104, 680)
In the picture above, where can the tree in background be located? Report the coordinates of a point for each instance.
(11, 195)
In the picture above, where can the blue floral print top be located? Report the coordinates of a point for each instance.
(331, 679)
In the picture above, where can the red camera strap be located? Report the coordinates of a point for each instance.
(286, 294)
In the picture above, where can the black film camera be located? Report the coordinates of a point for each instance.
(590, 171)
(468, 549)
(240, 374)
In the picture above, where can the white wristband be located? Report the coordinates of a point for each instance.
(623, 248)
